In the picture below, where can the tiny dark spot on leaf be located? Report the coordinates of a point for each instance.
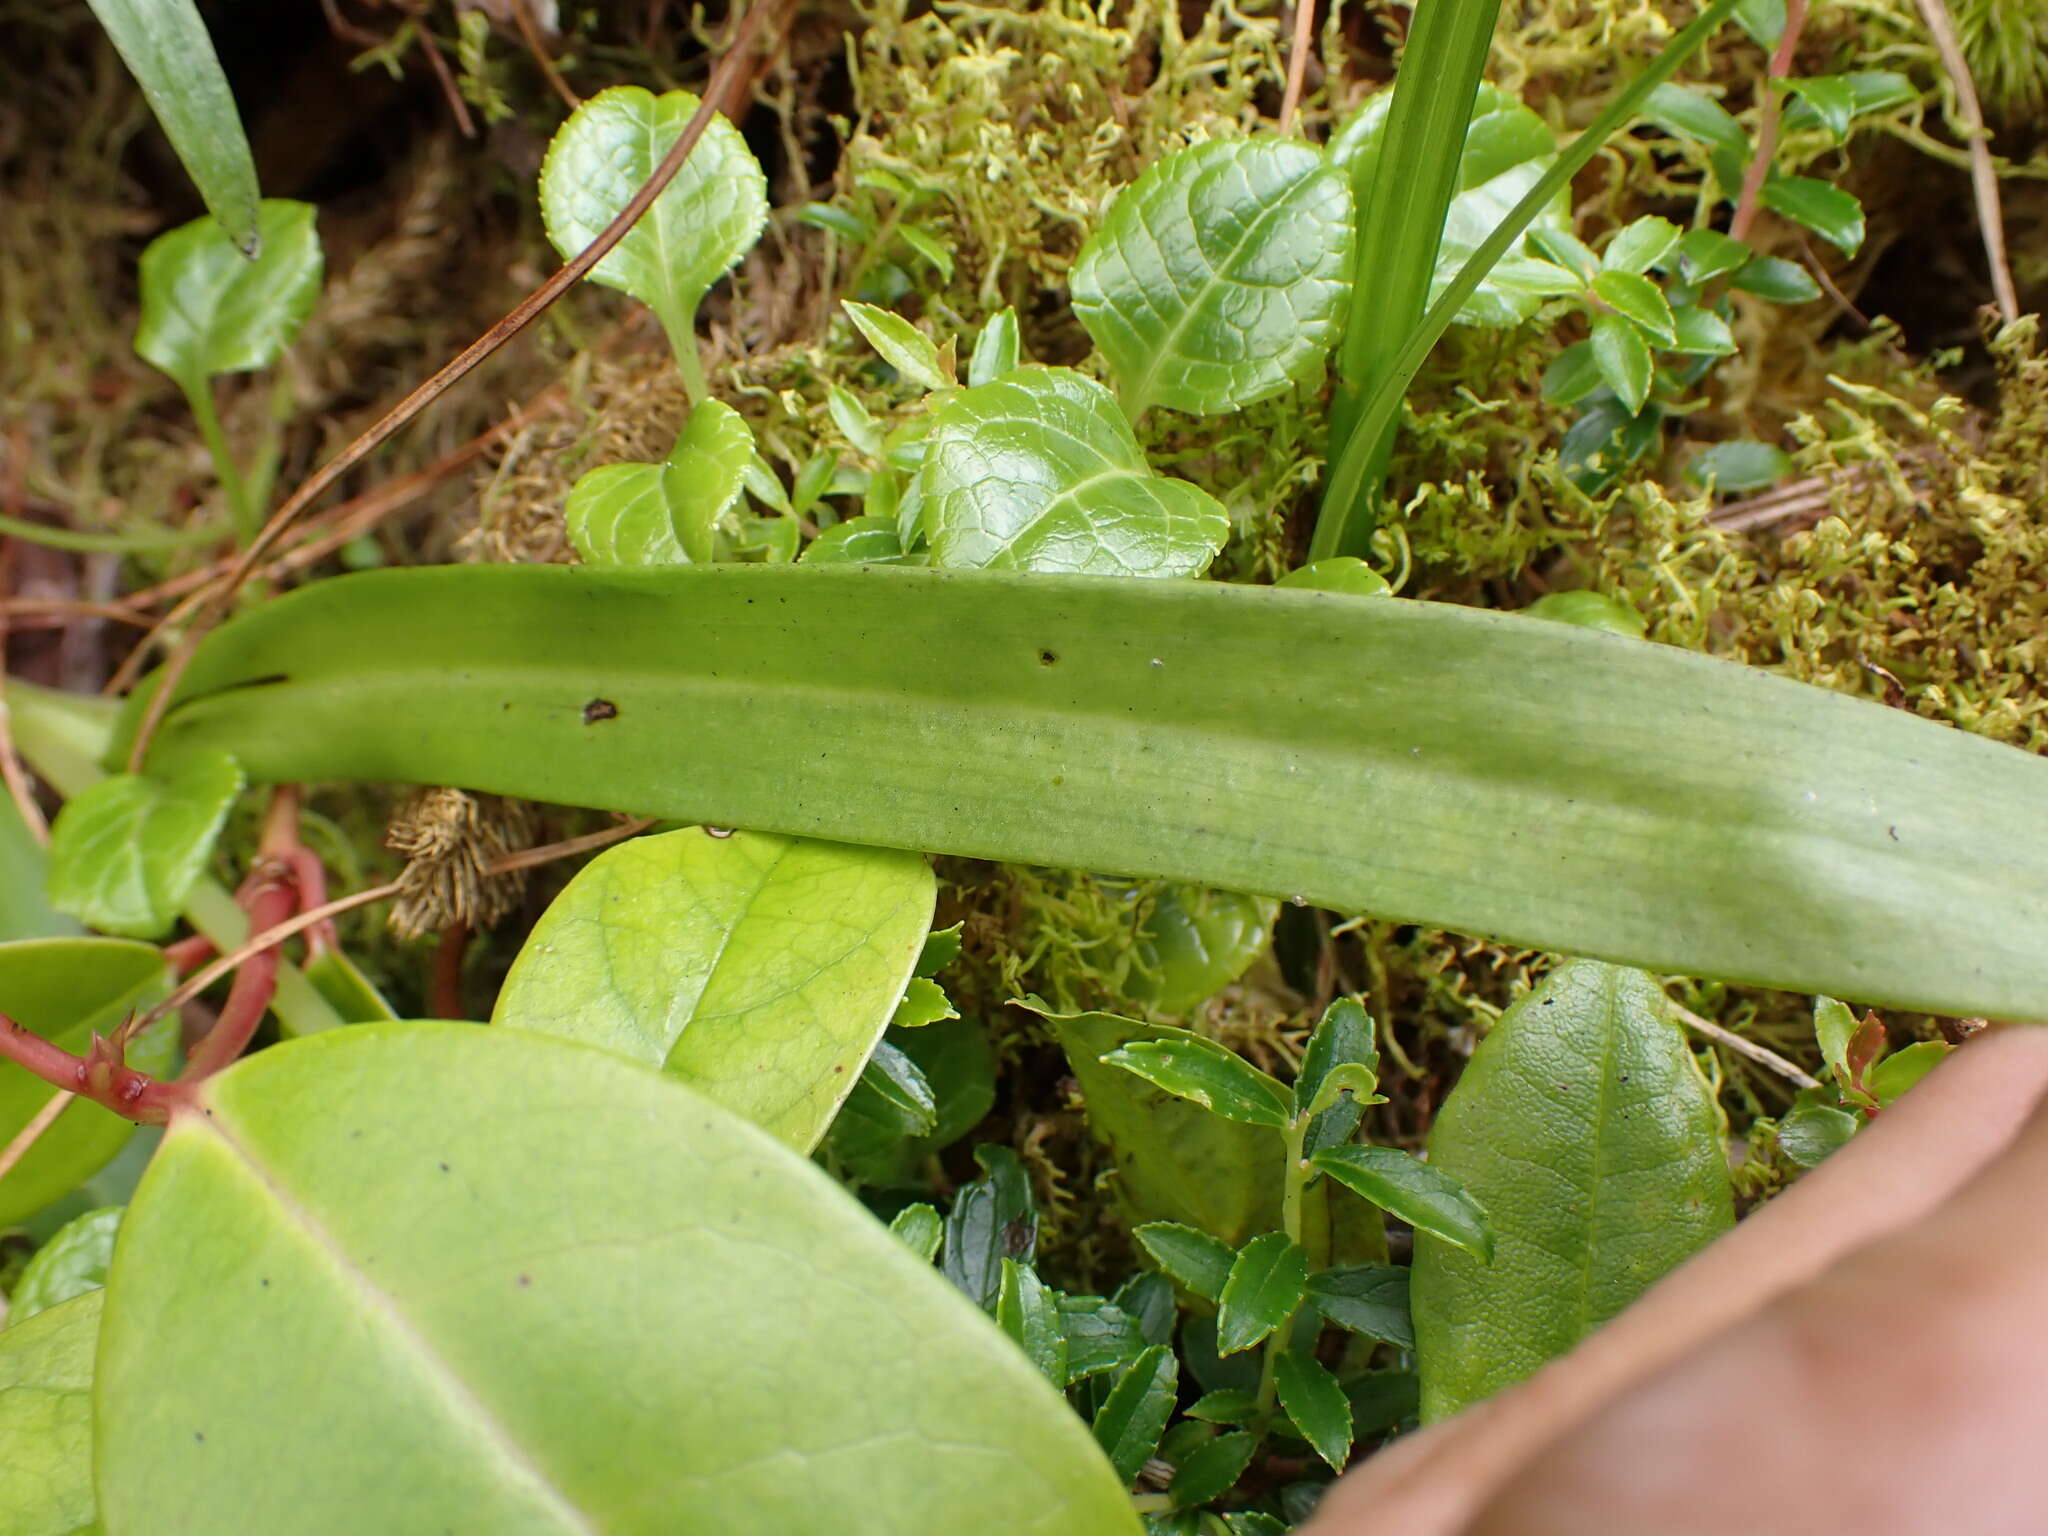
(1047, 658)
(199, 1436)
(444, 1167)
(599, 709)
(525, 1280)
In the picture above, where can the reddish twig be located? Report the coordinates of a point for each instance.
(1983, 174)
(1759, 171)
(529, 33)
(1297, 61)
(446, 991)
(547, 853)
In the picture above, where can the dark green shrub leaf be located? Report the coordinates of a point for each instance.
(1701, 333)
(1814, 1129)
(992, 1220)
(1213, 1468)
(432, 1268)
(208, 309)
(1026, 1311)
(1192, 942)
(1901, 1070)
(1640, 302)
(126, 853)
(1739, 466)
(72, 1262)
(1250, 1522)
(1101, 1336)
(1583, 1125)
(902, 345)
(1780, 281)
(1381, 1400)
(1828, 100)
(1192, 1257)
(1205, 1073)
(998, 347)
(1692, 114)
(1343, 1037)
(1639, 245)
(1574, 375)
(857, 541)
(68, 990)
(1227, 1405)
(1370, 1299)
(1820, 206)
(1131, 1421)
(1317, 1405)
(1039, 471)
(891, 1087)
(1148, 1297)
(1220, 277)
(1705, 254)
(1265, 1286)
(1426, 1197)
(760, 969)
(1623, 358)
(46, 1368)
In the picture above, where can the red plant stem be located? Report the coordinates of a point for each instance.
(187, 953)
(270, 896)
(447, 989)
(1759, 171)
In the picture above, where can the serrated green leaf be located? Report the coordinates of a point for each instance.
(1584, 1126)
(1191, 1256)
(1672, 807)
(1343, 1037)
(1834, 1026)
(1266, 1283)
(46, 1367)
(705, 475)
(1780, 281)
(464, 1232)
(1026, 1311)
(857, 541)
(1820, 206)
(618, 514)
(941, 948)
(1226, 1405)
(208, 309)
(1623, 358)
(1573, 375)
(1219, 277)
(992, 1220)
(1640, 302)
(924, 1003)
(1829, 102)
(698, 229)
(891, 1088)
(1317, 1405)
(126, 853)
(1738, 466)
(1149, 1298)
(1340, 573)
(1252, 1522)
(165, 46)
(1812, 1131)
(1205, 1073)
(1567, 250)
(1039, 471)
(998, 347)
(1701, 333)
(72, 1262)
(930, 248)
(1705, 254)
(1381, 1400)
(1370, 1299)
(1863, 91)
(1175, 1160)
(954, 1056)
(1692, 114)
(1589, 610)
(1507, 149)
(902, 345)
(1426, 1197)
(761, 970)
(1101, 1336)
(1902, 1069)
(1212, 1468)
(1130, 1422)
(1640, 245)
(921, 1228)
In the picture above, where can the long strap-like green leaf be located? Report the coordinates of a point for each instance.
(1526, 781)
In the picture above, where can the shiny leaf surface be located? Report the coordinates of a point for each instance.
(208, 309)
(1427, 1198)
(1265, 1286)
(72, 1262)
(126, 853)
(46, 1368)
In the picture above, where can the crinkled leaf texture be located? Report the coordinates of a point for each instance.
(412, 1278)
(208, 309)
(667, 513)
(1584, 1127)
(66, 990)
(125, 853)
(698, 229)
(1039, 471)
(1507, 150)
(1219, 278)
(46, 1367)
(759, 969)
(71, 1263)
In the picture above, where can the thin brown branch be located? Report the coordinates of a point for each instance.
(529, 32)
(1298, 50)
(464, 123)
(736, 61)
(1983, 174)
(547, 853)
(1762, 1055)
(1759, 171)
(31, 1133)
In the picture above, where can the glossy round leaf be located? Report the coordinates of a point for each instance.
(759, 969)
(72, 1262)
(1220, 277)
(208, 309)
(418, 1278)
(126, 853)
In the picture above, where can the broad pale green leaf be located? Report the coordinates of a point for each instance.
(1190, 1255)
(1834, 1026)
(1742, 465)
(511, 1284)
(1317, 1405)
(1623, 358)
(1213, 1076)
(1175, 1161)
(618, 514)
(46, 1368)
(1589, 610)
(759, 969)
(921, 1228)
(1821, 206)
(998, 347)
(1671, 808)
(165, 46)
(1265, 1286)
(857, 541)
(1219, 277)
(992, 1220)
(1584, 1127)
(902, 345)
(1027, 1312)
(1427, 1198)
(1212, 1468)
(1639, 245)
(698, 229)
(72, 1262)
(1371, 1299)
(1780, 281)
(1339, 573)
(706, 473)
(1039, 471)
(66, 990)
(1639, 301)
(1192, 942)
(24, 913)
(126, 853)
(341, 983)
(1507, 149)
(1829, 101)
(208, 309)
(1130, 1422)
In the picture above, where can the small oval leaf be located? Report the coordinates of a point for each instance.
(1426, 1197)
(1208, 1074)
(1194, 1258)
(759, 969)
(1266, 1284)
(1218, 278)
(126, 853)
(1317, 1405)
(208, 309)
(1131, 1420)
